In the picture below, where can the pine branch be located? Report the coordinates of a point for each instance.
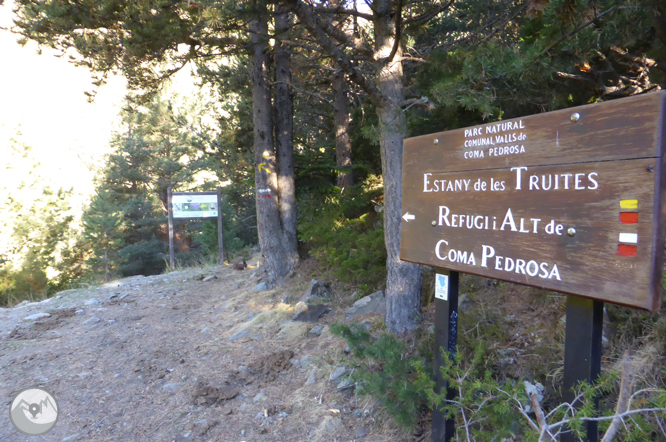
(413, 59)
(305, 92)
(344, 11)
(480, 31)
(398, 32)
(307, 17)
(423, 101)
(357, 43)
(578, 29)
(429, 15)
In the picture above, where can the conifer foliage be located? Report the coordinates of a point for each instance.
(38, 252)
(103, 223)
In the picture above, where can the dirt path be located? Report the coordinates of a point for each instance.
(150, 358)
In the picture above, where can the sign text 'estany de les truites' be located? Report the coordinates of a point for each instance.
(569, 200)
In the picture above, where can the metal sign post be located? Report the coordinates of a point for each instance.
(446, 337)
(582, 352)
(572, 201)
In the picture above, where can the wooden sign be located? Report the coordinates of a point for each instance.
(570, 201)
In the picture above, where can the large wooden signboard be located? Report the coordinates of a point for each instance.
(570, 201)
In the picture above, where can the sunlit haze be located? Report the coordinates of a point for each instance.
(43, 99)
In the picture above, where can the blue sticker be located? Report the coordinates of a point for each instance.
(442, 287)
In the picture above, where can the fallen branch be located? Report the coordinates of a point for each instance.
(623, 400)
(541, 420)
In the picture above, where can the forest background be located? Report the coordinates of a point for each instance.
(323, 92)
(463, 64)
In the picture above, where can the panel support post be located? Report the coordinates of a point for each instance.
(220, 242)
(582, 352)
(446, 338)
(170, 211)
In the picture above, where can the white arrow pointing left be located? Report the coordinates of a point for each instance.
(408, 217)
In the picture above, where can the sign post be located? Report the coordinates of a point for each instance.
(220, 239)
(582, 352)
(446, 312)
(570, 201)
(170, 210)
(195, 205)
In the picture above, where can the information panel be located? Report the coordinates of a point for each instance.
(569, 201)
(200, 205)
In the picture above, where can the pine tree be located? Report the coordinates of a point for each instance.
(36, 228)
(141, 40)
(103, 223)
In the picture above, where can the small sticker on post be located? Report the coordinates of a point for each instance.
(442, 287)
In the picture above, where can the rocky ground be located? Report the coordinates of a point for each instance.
(192, 355)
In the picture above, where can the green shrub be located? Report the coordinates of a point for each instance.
(144, 258)
(232, 233)
(486, 409)
(345, 233)
(385, 373)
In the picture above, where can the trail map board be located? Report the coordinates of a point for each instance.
(194, 205)
(570, 201)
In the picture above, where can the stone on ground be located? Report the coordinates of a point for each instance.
(317, 331)
(340, 372)
(260, 287)
(346, 384)
(317, 289)
(37, 316)
(310, 313)
(241, 334)
(375, 303)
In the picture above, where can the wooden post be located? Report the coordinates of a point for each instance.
(220, 241)
(446, 337)
(582, 352)
(170, 211)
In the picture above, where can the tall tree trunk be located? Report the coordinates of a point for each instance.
(341, 116)
(342, 138)
(284, 134)
(268, 216)
(403, 281)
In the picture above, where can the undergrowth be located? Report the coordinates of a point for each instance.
(489, 406)
(385, 373)
(344, 232)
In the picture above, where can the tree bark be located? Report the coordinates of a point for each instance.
(284, 137)
(403, 282)
(267, 199)
(342, 139)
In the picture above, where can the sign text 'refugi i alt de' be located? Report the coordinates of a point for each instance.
(569, 201)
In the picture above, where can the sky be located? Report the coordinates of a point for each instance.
(42, 97)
